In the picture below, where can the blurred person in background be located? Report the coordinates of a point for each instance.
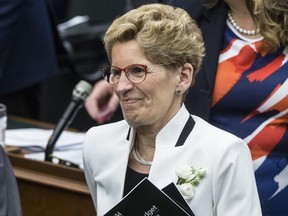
(9, 195)
(28, 47)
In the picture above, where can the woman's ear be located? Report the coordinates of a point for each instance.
(186, 77)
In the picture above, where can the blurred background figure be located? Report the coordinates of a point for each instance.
(28, 44)
(9, 195)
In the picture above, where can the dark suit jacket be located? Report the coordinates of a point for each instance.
(27, 44)
(9, 196)
(212, 23)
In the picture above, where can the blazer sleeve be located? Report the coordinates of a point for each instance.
(89, 180)
(234, 184)
(9, 195)
(10, 13)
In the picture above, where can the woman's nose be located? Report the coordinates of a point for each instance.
(124, 83)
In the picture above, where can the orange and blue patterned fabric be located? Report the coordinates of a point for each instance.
(250, 100)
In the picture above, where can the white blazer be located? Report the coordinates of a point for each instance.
(229, 188)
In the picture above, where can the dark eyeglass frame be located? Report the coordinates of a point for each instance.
(106, 75)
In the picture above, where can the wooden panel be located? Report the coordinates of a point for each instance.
(39, 199)
(48, 189)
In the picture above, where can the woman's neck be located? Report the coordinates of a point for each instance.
(142, 154)
(242, 17)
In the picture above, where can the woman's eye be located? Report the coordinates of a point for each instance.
(115, 73)
(138, 71)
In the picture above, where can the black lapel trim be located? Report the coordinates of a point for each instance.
(128, 135)
(184, 134)
(186, 131)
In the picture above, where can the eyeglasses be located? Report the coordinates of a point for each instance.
(136, 73)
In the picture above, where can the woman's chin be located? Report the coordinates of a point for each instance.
(134, 119)
(131, 118)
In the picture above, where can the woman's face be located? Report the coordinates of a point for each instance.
(152, 102)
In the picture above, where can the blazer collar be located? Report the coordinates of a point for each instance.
(174, 133)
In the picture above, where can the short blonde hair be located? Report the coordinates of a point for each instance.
(167, 35)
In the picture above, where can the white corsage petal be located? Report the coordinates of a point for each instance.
(183, 171)
(188, 178)
(187, 190)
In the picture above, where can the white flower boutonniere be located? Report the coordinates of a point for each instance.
(188, 178)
